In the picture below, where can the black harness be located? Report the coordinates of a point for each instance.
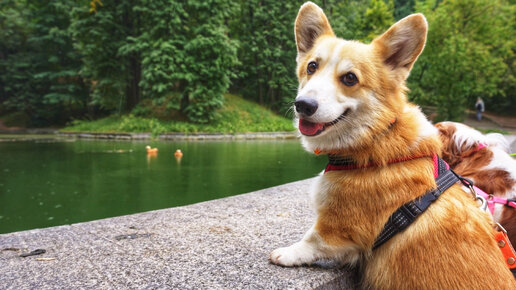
(407, 213)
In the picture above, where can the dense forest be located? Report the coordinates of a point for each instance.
(78, 59)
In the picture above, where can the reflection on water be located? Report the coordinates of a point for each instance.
(48, 184)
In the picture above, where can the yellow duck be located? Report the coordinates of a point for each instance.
(151, 150)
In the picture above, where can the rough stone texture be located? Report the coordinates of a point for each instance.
(220, 244)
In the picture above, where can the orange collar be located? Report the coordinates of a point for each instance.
(507, 250)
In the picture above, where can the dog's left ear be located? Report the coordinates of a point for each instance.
(401, 45)
(311, 23)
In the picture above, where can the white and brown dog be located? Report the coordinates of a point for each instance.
(486, 161)
(351, 104)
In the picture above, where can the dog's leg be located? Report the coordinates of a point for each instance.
(306, 251)
(310, 249)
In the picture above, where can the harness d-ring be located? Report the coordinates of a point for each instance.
(483, 202)
(469, 184)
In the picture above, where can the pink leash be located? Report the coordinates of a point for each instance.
(491, 199)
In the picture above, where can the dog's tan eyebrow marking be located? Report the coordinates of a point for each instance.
(324, 50)
(335, 57)
(344, 66)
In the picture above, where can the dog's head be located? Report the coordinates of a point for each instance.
(349, 91)
(459, 139)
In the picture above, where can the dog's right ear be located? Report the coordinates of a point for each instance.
(401, 45)
(311, 23)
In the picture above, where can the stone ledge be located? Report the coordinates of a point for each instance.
(220, 244)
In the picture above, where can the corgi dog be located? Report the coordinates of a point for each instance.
(351, 105)
(486, 161)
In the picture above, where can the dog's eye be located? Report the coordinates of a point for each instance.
(349, 79)
(311, 68)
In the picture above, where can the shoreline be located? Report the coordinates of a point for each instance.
(46, 134)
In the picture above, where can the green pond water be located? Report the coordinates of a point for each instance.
(47, 182)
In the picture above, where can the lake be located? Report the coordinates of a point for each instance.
(50, 182)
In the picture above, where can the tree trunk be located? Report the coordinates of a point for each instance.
(133, 87)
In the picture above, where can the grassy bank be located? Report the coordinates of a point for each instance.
(236, 116)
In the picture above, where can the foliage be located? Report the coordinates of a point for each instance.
(99, 32)
(403, 8)
(238, 115)
(208, 55)
(347, 18)
(39, 67)
(174, 60)
(148, 49)
(468, 43)
(487, 131)
(267, 53)
(378, 18)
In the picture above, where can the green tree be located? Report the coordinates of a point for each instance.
(403, 8)
(14, 55)
(468, 43)
(151, 49)
(208, 57)
(267, 52)
(39, 69)
(378, 17)
(347, 18)
(98, 34)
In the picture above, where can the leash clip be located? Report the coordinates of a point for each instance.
(469, 184)
(483, 201)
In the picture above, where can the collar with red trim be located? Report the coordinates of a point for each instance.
(336, 162)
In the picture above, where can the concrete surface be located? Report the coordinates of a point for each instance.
(221, 244)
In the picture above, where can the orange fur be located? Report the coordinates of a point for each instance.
(451, 245)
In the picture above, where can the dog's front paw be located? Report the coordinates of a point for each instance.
(294, 255)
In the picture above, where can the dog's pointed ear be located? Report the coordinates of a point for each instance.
(400, 46)
(311, 23)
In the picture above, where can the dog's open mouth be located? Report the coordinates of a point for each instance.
(308, 128)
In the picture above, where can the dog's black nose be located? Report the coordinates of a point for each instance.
(306, 106)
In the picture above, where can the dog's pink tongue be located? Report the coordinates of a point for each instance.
(309, 128)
